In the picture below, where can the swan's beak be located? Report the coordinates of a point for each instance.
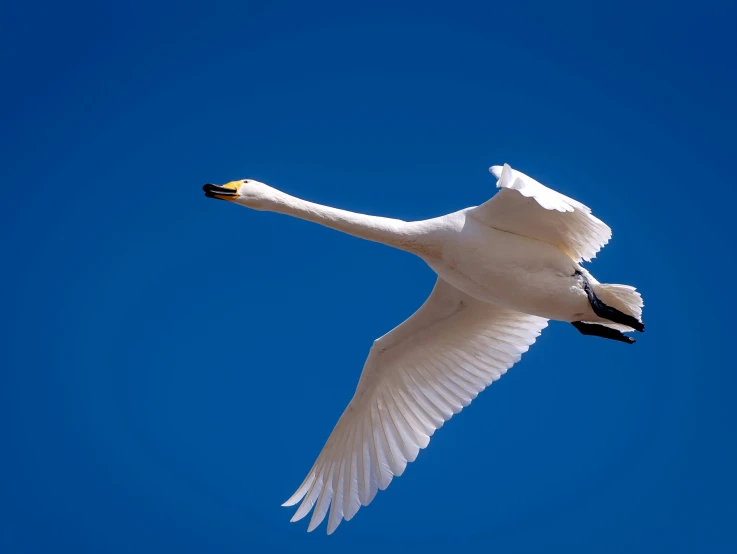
(228, 191)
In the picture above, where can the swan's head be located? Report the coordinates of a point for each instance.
(246, 192)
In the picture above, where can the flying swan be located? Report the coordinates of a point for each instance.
(504, 269)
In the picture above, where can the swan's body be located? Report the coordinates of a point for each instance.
(509, 270)
(504, 268)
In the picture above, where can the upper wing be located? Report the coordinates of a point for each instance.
(528, 208)
(415, 378)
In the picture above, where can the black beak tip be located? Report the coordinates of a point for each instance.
(215, 191)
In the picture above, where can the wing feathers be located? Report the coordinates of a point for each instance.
(527, 208)
(415, 378)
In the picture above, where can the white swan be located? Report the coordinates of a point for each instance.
(504, 268)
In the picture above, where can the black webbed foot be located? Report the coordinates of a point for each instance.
(607, 312)
(596, 330)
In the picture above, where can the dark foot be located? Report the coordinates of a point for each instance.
(607, 312)
(596, 330)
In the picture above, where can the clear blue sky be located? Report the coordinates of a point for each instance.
(165, 377)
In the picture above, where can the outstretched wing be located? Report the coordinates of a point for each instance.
(415, 378)
(528, 208)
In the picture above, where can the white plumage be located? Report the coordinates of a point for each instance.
(504, 268)
(562, 222)
(415, 378)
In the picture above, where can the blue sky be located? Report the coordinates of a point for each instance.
(171, 366)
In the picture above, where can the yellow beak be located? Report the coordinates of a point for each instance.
(228, 191)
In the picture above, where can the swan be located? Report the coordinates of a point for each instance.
(504, 269)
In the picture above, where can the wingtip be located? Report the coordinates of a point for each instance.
(496, 170)
(300, 493)
(505, 177)
(294, 499)
(313, 525)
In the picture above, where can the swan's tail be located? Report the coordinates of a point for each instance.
(622, 297)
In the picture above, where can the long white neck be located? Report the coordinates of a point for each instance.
(392, 232)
